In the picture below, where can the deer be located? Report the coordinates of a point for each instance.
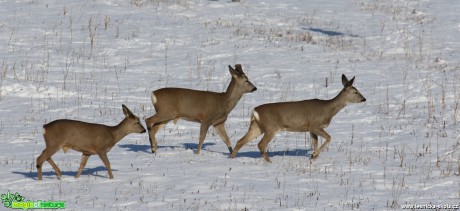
(88, 138)
(204, 107)
(313, 115)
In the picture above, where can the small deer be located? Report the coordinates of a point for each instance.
(207, 108)
(301, 116)
(87, 138)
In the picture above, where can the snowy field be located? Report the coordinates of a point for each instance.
(83, 59)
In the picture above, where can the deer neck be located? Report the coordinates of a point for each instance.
(232, 95)
(119, 131)
(337, 103)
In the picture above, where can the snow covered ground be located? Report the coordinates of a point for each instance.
(83, 59)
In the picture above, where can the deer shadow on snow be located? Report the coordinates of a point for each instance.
(329, 32)
(147, 149)
(136, 148)
(251, 154)
(194, 146)
(290, 152)
(87, 171)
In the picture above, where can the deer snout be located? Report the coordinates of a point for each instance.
(255, 88)
(142, 129)
(364, 100)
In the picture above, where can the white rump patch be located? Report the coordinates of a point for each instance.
(255, 115)
(154, 99)
(44, 131)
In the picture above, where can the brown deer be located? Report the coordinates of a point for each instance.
(301, 116)
(207, 108)
(87, 138)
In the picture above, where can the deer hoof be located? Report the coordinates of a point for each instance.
(266, 158)
(230, 149)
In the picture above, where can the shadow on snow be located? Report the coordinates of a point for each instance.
(329, 32)
(193, 146)
(146, 148)
(293, 152)
(136, 148)
(91, 171)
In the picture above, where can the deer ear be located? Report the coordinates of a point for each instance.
(344, 80)
(350, 82)
(126, 111)
(239, 69)
(233, 72)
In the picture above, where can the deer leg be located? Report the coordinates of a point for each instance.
(84, 159)
(268, 136)
(106, 162)
(253, 132)
(314, 143)
(55, 167)
(154, 130)
(223, 134)
(203, 130)
(322, 133)
(155, 123)
(46, 156)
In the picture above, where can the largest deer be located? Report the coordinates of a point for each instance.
(301, 116)
(207, 108)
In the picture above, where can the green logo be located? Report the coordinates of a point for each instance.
(16, 201)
